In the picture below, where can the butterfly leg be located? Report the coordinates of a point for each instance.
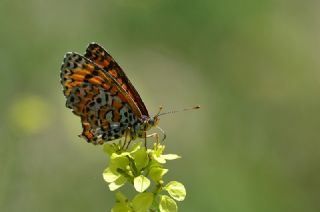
(125, 138)
(156, 135)
(128, 133)
(145, 139)
(128, 143)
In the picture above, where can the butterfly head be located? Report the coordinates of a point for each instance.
(153, 121)
(150, 122)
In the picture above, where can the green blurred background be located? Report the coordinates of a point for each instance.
(253, 66)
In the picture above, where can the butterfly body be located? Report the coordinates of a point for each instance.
(98, 91)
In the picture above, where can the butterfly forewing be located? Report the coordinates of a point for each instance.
(100, 56)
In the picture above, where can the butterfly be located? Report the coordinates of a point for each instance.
(99, 92)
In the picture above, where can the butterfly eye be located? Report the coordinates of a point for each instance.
(151, 121)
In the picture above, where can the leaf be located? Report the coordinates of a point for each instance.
(153, 164)
(141, 158)
(167, 204)
(176, 190)
(158, 149)
(109, 149)
(135, 147)
(157, 173)
(170, 156)
(123, 154)
(121, 198)
(141, 183)
(158, 158)
(118, 183)
(121, 207)
(110, 176)
(119, 161)
(121, 203)
(142, 202)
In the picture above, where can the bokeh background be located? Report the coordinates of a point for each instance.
(253, 66)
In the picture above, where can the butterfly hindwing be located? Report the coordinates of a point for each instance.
(106, 110)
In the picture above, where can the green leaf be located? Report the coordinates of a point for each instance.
(135, 147)
(158, 158)
(153, 164)
(121, 198)
(110, 176)
(123, 154)
(141, 158)
(170, 156)
(121, 207)
(157, 173)
(176, 190)
(157, 155)
(109, 149)
(118, 183)
(142, 202)
(119, 161)
(167, 204)
(158, 149)
(141, 183)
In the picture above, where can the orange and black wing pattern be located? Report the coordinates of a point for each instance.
(100, 56)
(106, 109)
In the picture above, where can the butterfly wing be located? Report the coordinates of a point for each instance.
(100, 56)
(105, 108)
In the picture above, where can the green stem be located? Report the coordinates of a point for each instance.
(133, 166)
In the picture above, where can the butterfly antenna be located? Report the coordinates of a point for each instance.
(160, 109)
(176, 111)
